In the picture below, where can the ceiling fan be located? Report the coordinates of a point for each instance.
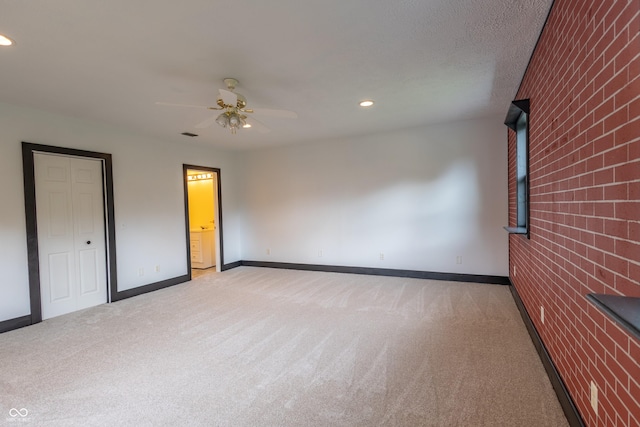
(234, 112)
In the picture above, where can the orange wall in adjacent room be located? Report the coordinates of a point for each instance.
(201, 207)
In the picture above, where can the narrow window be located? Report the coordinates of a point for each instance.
(518, 120)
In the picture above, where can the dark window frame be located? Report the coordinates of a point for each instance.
(518, 121)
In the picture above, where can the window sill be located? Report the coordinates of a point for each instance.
(624, 310)
(517, 230)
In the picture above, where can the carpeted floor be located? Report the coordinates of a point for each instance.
(266, 347)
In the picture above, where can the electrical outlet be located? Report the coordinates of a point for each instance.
(459, 259)
(515, 271)
(320, 253)
(141, 272)
(157, 269)
(268, 251)
(594, 397)
(381, 256)
(542, 314)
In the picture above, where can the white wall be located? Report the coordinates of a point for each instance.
(148, 192)
(422, 197)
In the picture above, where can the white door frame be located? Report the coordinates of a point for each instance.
(28, 150)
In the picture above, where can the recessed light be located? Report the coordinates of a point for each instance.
(5, 41)
(366, 103)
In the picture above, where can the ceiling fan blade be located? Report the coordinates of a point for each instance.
(258, 125)
(205, 124)
(228, 97)
(281, 114)
(168, 104)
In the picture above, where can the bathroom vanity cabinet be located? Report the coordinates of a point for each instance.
(203, 251)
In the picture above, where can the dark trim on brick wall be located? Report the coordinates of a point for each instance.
(568, 406)
(120, 295)
(18, 322)
(414, 274)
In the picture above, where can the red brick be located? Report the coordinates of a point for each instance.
(634, 68)
(632, 405)
(634, 390)
(595, 193)
(610, 403)
(616, 156)
(595, 224)
(617, 119)
(616, 264)
(618, 335)
(616, 228)
(634, 151)
(616, 192)
(628, 210)
(604, 209)
(605, 109)
(602, 44)
(603, 143)
(628, 19)
(628, 250)
(618, 82)
(616, 47)
(615, 10)
(603, 177)
(587, 180)
(627, 94)
(634, 108)
(602, 341)
(596, 98)
(595, 162)
(605, 243)
(584, 81)
(634, 352)
(627, 172)
(630, 365)
(595, 132)
(634, 277)
(634, 231)
(627, 133)
(627, 287)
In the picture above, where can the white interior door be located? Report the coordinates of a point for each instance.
(71, 233)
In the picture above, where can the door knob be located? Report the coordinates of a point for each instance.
(88, 242)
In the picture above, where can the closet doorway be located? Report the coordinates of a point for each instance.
(203, 219)
(70, 229)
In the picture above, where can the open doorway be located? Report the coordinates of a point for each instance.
(203, 219)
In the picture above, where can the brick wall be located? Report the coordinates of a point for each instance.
(584, 86)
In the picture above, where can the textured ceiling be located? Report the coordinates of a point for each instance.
(423, 61)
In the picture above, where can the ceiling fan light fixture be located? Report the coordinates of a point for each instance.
(234, 120)
(5, 41)
(366, 103)
(233, 114)
(223, 120)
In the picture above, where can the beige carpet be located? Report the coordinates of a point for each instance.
(266, 347)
